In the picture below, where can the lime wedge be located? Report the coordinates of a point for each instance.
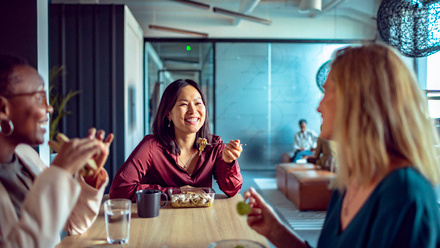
(243, 208)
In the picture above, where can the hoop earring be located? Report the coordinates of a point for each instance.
(169, 123)
(11, 129)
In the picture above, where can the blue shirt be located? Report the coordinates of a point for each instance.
(401, 212)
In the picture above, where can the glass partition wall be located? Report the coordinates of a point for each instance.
(262, 91)
(256, 91)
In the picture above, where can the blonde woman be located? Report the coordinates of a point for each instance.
(387, 163)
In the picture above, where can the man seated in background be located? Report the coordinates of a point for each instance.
(304, 142)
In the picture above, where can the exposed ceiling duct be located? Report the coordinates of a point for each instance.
(246, 7)
(177, 30)
(310, 5)
(242, 16)
(194, 4)
(327, 7)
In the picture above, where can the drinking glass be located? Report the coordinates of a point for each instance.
(117, 220)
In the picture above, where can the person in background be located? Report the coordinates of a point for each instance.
(304, 142)
(387, 161)
(170, 157)
(322, 154)
(37, 201)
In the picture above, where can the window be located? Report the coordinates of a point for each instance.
(433, 87)
(433, 74)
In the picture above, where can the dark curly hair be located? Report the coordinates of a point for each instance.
(164, 134)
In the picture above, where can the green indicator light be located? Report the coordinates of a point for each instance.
(188, 48)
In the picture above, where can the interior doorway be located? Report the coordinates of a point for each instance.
(169, 61)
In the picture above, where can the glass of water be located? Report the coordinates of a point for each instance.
(117, 220)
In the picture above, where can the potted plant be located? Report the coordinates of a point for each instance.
(57, 100)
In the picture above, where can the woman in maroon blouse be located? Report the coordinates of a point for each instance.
(170, 157)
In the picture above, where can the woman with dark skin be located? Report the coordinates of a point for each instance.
(171, 157)
(36, 201)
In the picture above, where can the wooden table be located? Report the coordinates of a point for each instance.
(175, 227)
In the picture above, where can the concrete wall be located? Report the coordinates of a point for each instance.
(262, 91)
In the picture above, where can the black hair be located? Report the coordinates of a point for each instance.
(7, 65)
(302, 121)
(164, 134)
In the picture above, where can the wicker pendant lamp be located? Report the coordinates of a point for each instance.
(411, 26)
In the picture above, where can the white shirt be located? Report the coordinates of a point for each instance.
(306, 140)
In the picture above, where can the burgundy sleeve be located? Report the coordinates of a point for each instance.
(228, 176)
(128, 179)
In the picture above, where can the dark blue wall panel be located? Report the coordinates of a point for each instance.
(89, 41)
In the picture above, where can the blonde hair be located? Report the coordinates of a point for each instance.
(381, 112)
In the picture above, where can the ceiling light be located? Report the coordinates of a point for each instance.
(412, 27)
(241, 15)
(176, 30)
(194, 4)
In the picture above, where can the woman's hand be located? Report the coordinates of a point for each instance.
(103, 145)
(261, 218)
(98, 178)
(74, 154)
(264, 221)
(232, 151)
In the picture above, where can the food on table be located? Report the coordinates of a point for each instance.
(243, 208)
(59, 142)
(202, 144)
(192, 199)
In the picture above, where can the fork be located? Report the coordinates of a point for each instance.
(216, 143)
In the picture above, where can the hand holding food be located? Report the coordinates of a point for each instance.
(104, 145)
(75, 154)
(261, 217)
(232, 151)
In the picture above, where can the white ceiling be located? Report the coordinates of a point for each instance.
(338, 19)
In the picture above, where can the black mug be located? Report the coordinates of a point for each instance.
(148, 202)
